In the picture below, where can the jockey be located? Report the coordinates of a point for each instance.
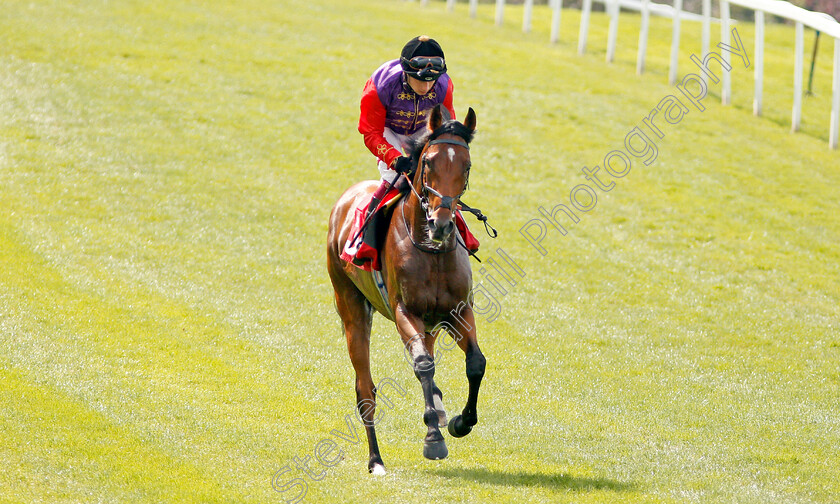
(395, 104)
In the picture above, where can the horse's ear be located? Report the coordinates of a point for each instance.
(469, 122)
(437, 117)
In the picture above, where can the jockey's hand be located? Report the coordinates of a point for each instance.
(402, 165)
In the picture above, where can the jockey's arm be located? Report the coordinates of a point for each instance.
(372, 126)
(447, 100)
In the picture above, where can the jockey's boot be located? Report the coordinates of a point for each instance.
(378, 194)
(368, 247)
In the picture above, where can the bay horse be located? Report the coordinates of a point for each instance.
(426, 274)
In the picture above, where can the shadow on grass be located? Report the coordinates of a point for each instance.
(530, 479)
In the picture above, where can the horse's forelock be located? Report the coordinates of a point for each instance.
(415, 148)
(452, 128)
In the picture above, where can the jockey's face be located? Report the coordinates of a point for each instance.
(420, 87)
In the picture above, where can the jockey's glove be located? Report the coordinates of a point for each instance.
(402, 165)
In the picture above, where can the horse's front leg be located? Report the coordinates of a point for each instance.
(462, 424)
(437, 395)
(413, 333)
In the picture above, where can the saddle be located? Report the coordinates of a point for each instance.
(364, 251)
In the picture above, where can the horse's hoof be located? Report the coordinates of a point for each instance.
(435, 450)
(378, 470)
(457, 427)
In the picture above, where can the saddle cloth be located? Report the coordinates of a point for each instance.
(367, 255)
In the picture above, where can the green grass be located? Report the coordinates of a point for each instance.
(167, 331)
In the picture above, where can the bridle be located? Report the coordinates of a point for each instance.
(445, 201)
(423, 195)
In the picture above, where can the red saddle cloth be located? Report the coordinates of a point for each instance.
(368, 255)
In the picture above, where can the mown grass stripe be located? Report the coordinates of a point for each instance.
(175, 381)
(57, 449)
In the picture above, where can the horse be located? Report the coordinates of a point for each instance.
(426, 274)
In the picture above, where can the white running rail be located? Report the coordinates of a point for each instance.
(801, 17)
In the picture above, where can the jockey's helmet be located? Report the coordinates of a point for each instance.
(422, 58)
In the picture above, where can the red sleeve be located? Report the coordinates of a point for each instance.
(372, 125)
(447, 100)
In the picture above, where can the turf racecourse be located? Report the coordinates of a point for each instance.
(167, 331)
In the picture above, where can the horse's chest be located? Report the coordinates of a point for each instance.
(436, 298)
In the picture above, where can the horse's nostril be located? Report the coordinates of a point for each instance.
(442, 228)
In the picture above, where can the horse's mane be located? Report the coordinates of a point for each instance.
(415, 147)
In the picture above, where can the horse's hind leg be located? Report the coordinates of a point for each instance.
(462, 424)
(356, 316)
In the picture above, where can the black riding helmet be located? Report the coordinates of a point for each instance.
(422, 58)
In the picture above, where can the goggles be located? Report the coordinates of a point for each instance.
(421, 62)
(425, 67)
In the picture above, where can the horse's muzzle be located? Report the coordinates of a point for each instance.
(441, 227)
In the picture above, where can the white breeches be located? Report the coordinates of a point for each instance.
(399, 142)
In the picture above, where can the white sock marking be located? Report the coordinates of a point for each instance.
(378, 470)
